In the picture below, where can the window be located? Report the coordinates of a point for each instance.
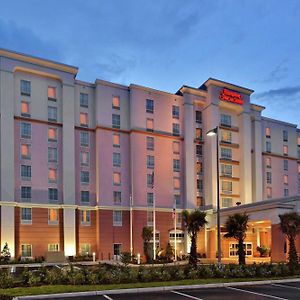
(117, 198)
(51, 93)
(117, 250)
(268, 147)
(226, 202)
(199, 133)
(285, 150)
(25, 130)
(199, 168)
(226, 187)
(269, 192)
(150, 143)
(117, 218)
(233, 249)
(117, 178)
(52, 175)
(85, 197)
(84, 120)
(226, 153)
(84, 100)
(85, 177)
(85, 249)
(53, 216)
(150, 180)
(268, 132)
(200, 185)
(178, 219)
(176, 165)
(25, 172)
(150, 199)
(176, 147)
(149, 218)
(25, 112)
(199, 150)
(52, 195)
(52, 134)
(226, 170)
(298, 140)
(26, 250)
(25, 87)
(117, 159)
(285, 165)
(84, 139)
(53, 247)
(25, 193)
(199, 201)
(84, 158)
(176, 183)
(116, 102)
(298, 154)
(198, 116)
(25, 151)
(226, 136)
(175, 112)
(150, 161)
(85, 217)
(26, 215)
(116, 123)
(116, 140)
(52, 154)
(285, 135)
(285, 179)
(149, 106)
(176, 129)
(286, 192)
(225, 120)
(150, 125)
(268, 162)
(299, 168)
(177, 201)
(269, 177)
(52, 113)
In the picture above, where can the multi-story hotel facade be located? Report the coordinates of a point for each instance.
(84, 166)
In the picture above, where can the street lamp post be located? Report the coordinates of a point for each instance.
(215, 132)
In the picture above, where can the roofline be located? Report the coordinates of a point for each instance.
(145, 88)
(111, 84)
(39, 61)
(198, 91)
(278, 121)
(257, 107)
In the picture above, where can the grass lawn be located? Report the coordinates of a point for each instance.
(55, 289)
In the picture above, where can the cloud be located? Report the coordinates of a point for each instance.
(285, 92)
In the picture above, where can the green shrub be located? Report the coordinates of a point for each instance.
(6, 280)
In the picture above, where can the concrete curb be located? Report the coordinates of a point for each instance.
(156, 289)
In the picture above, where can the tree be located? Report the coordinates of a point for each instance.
(5, 253)
(193, 222)
(290, 226)
(236, 227)
(147, 235)
(169, 253)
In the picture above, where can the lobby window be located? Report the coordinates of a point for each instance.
(117, 178)
(117, 218)
(285, 179)
(149, 106)
(285, 165)
(116, 159)
(85, 249)
(52, 195)
(225, 120)
(85, 217)
(84, 119)
(176, 129)
(176, 183)
(269, 192)
(52, 134)
(51, 93)
(176, 165)
(52, 154)
(285, 192)
(26, 250)
(53, 247)
(177, 201)
(25, 151)
(285, 150)
(268, 147)
(268, 162)
(199, 133)
(150, 124)
(150, 181)
(226, 153)
(84, 158)
(199, 150)
(25, 130)
(53, 216)
(116, 140)
(269, 177)
(85, 177)
(150, 161)
(25, 193)
(268, 132)
(199, 168)
(175, 112)
(84, 139)
(200, 185)
(25, 172)
(226, 136)
(26, 215)
(84, 100)
(226, 170)
(117, 197)
(116, 121)
(150, 198)
(149, 218)
(25, 87)
(226, 202)
(198, 117)
(226, 187)
(52, 113)
(285, 136)
(85, 197)
(52, 175)
(116, 102)
(176, 147)
(25, 111)
(150, 142)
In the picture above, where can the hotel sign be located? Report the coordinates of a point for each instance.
(230, 96)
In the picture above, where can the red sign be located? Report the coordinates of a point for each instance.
(229, 96)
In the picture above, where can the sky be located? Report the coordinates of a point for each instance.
(164, 44)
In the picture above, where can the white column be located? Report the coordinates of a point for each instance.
(69, 231)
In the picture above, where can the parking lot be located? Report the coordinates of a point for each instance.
(287, 290)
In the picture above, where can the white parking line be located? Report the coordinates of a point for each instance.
(254, 293)
(186, 295)
(286, 286)
(107, 297)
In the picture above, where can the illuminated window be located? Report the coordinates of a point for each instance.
(268, 132)
(117, 197)
(226, 136)
(226, 170)
(150, 161)
(85, 177)
(269, 177)
(176, 183)
(116, 140)
(26, 250)
(25, 109)
(268, 147)
(51, 93)
(199, 168)
(175, 112)
(149, 218)
(150, 197)
(298, 140)
(226, 202)
(52, 134)
(53, 216)
(286, 192)
(25, 151)
(116, 102)
(52, 113)
(226, 187)
(52, 195)
(85, 249)
(176, 129)
(84, 139)
(117, 178)
(85, 197)
(52, 175)
(285, 179)
(150, 143)
(226, 153)
(285, 150)
(299, 168)
(25, 130)
(116, 121)
(225, 120)
(285, 136)
(25, 172)
(53, 247)
(199, 133)
(268, 162)
(198, 116)
(176, 165)
(84, 119)
(150, 125)
(199, 201)
(84, 158)
(117, 218)
(116, 159)
(149, 106)
(285, 165)
(176, 147)
(269, 192)
(84, 100)
(52, 154)
(85, 217)
(26, 215)
(25, 87)
(150, 180)
(25, 193)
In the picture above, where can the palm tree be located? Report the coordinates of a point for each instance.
(193, 222)
(236, 227)
(147, 236)
(290, 226)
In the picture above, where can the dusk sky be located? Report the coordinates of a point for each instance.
(164, 44)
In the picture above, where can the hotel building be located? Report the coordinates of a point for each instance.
(82, 164)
